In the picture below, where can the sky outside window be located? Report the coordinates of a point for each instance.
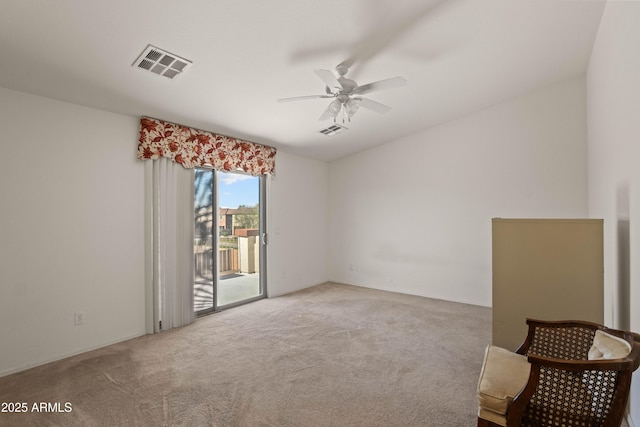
(237, 189)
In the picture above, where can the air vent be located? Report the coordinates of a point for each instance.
(333, 129)
(161, 62)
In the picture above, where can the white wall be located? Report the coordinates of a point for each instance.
(71, 230)
(298, 224)
(414, 215)
(613, 84)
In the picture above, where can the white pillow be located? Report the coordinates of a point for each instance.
(607, 346)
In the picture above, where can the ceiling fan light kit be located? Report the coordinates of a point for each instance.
(343, 103)
(344, 91)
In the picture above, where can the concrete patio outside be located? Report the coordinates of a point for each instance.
(231, 288)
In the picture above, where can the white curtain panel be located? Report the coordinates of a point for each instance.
(170, 243)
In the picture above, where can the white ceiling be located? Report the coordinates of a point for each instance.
(457, 55)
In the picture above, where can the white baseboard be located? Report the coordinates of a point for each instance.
(36, 363)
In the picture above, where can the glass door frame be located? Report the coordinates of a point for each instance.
(215, 235)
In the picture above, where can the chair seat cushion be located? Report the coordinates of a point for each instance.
(504, 374)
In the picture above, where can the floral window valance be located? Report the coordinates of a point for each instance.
(192, 147)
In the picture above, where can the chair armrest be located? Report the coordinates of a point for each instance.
(519, 403)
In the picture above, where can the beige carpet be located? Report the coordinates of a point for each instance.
(331, 355)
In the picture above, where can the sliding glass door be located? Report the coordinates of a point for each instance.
(230, 239)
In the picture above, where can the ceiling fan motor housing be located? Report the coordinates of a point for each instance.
(342, 70)
(348, 85)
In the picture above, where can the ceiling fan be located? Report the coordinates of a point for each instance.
(346, 94)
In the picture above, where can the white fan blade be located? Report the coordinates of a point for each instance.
(329, 79)
(372, 105)
(374, 43)
(300, 98)
(391, 83)
(326, 114)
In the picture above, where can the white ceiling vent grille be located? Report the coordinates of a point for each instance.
(333, 129)
(161, 62)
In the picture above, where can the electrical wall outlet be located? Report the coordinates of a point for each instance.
(78, 319)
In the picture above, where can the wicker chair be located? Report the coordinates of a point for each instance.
(560, 385)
